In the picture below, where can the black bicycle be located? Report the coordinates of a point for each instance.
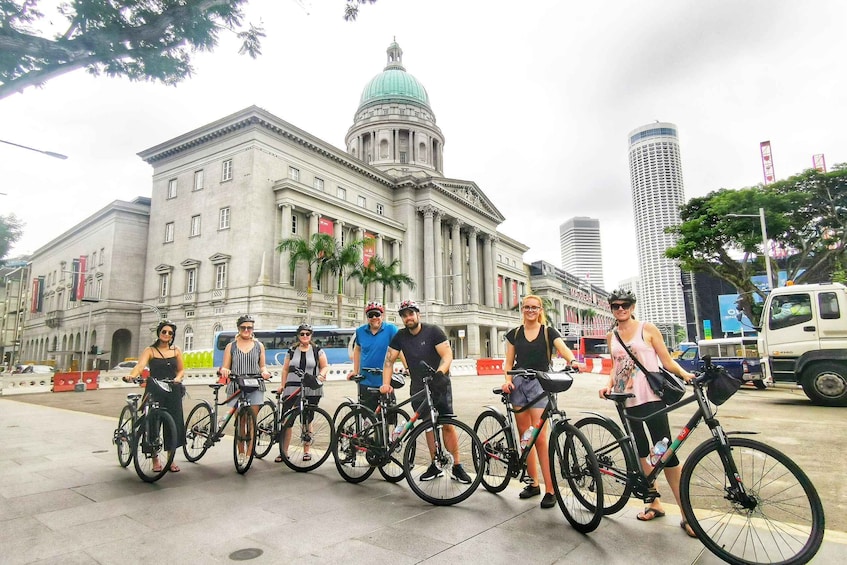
(746, 501)
(202, 429)
(572, 459)
(144, 433)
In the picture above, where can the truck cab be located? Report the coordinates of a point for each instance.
(738, 355)
(804, 339)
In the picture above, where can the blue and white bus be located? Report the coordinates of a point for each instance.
(334, 341)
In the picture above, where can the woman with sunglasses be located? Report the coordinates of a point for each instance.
(529, 346)
(310, 359)
(645, 341)
(245, 355)
(165, 362)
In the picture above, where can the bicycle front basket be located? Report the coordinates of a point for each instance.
(555, 382)
(250, 384)
(722, 387)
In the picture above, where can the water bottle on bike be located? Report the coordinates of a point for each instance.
(658, 450)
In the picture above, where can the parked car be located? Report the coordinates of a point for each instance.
(39, 369)
(125, 366)
(738, 355)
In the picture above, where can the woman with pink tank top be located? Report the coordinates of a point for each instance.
(645, 341)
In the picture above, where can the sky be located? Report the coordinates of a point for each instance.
(535, 100)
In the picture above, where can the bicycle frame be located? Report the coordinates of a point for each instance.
(217, 431)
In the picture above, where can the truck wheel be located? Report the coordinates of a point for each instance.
(826, 384)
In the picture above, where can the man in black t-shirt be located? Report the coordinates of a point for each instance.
(428, 344)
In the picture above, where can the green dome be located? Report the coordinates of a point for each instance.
(394, 84)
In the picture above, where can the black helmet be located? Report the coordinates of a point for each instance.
(623, 295)
(408, 305)
(304, 326)
(164, 323)
(245, 318)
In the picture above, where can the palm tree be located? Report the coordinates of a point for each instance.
(390, 276)
(341, 261)
(311, 252)
(366, 275)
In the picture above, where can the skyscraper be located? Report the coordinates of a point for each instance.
(655, 170)
(579, 243)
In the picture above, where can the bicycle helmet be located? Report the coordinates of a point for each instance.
(374, 306)
(304, 327)
(408, 305)
(245, 318)
(623, 295)
(166, 323)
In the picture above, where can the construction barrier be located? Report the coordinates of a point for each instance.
(489, 367)
(67, 382)
(25, 383)
(463, 368)
(598, 365)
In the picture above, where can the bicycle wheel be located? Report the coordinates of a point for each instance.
(265, 429)
(356, 440)
(392, 471)
(198, 430)
(310, 435)
(442, 478)
(498, 450)
(123, 437)
(343, 410)
(782, 521)
(572, 460)
(151, 455)
(605, 438)
(244, 439)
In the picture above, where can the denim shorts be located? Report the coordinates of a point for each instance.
(525, 390)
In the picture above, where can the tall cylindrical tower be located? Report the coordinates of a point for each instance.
(655, 171)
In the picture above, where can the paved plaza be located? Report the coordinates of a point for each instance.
(64, 499)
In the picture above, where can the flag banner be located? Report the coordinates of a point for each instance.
(75, 282)
(369, 250)
(33, 307)
(326, 226)
(80, 290)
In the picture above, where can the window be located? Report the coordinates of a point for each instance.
(94, 258)
(293, 224)
(380, 209)
(403, 157)
(198, 180)
(828, 306)
(172, 188)
(195, 226)
(319, 184)
(191, 281)
(102, 254)
(223, 219)
(169, 232)
(789, 310)
(226, 170)
(220, 276)
(342, 193)
(362, 201)
(294, 174)
(189, 338)
(164, 283)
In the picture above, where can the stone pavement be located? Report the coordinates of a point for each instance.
(64, 499)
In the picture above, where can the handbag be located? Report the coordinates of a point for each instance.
(664, 384)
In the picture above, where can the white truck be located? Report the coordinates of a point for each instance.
(803, 339)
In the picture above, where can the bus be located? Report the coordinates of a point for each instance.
(334, 341)
(585, 347)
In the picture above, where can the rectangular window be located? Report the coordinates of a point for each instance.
(164, 284)
(172, 188)
(294, 174)
(195, 226)
(362, 201)
(403, 157)
(319, 184)
(102, 254)
(223, 219)
(169, 232)
(220, 276)
(191, 281)
(189, 342)
(342, 193)
(293, 224)
(226, 170)
(380, 209)
(198, 180)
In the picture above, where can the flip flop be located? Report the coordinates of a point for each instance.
(687, 529)
(652, 513)
(174, 469)
(278, 459)
(157, 468)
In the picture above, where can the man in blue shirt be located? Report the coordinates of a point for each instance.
(369, 351)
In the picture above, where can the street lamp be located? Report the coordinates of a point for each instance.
(48, 153)
(761, 216)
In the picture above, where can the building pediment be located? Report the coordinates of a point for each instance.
(218, 258)
(469, 194)
(163, 268)
(189, 263)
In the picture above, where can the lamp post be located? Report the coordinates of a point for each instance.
(48, 153)
(761, 216)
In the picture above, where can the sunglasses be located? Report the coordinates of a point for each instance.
(374, 314)
(531, 308)
(620, 305)
(245, 328)
(306, 334)
(166, 332)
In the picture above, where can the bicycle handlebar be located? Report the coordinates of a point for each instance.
(532, 373)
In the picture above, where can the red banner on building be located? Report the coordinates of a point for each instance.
(369, 250)
(80, 290)
(33, 307)
(326, 226)
(515, 297)
(767, 161)
(500, 291)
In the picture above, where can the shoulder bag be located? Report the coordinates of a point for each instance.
(665, 384)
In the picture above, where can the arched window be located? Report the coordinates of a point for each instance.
(189, 339)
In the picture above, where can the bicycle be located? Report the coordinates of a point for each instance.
(313, 427)
(202, 429)
(142, 433)
(346, 405)
(571, 455)
(746, 501)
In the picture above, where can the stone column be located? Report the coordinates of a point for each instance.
(488, 270)
(285, 233)
(458, 252)
(429, 253)
(473, 351)
(494, 341)
(313, 224)
(473, 265)
(338, 231)
(438, 246)
(395, 254)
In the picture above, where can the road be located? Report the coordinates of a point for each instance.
(813, 436)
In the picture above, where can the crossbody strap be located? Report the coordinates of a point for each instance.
(627, 349)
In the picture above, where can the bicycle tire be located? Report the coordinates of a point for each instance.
(123, 437)
(198, 431)
(392, 471)
(149, 446)
(605, 438)
(244, 439)
(786, 526)
(343, 409)
(445, 489)
(498, 449)
(572, 460)
(356, 437)
(265, 428)
(317, 434)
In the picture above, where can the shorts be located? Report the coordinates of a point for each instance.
(525, 391)
(255, 398)
(443, 403)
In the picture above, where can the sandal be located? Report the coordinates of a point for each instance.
(650, 514)
(174, 469)
(278, 459)
(157, 467)
(687, 529)
(307, 457)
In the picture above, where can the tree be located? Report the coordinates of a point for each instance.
(309, 252)
(11, 230)
(390, 276)
(341, 261)
(806, 219)
(138, 39)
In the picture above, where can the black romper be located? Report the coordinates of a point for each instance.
(165, 368)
